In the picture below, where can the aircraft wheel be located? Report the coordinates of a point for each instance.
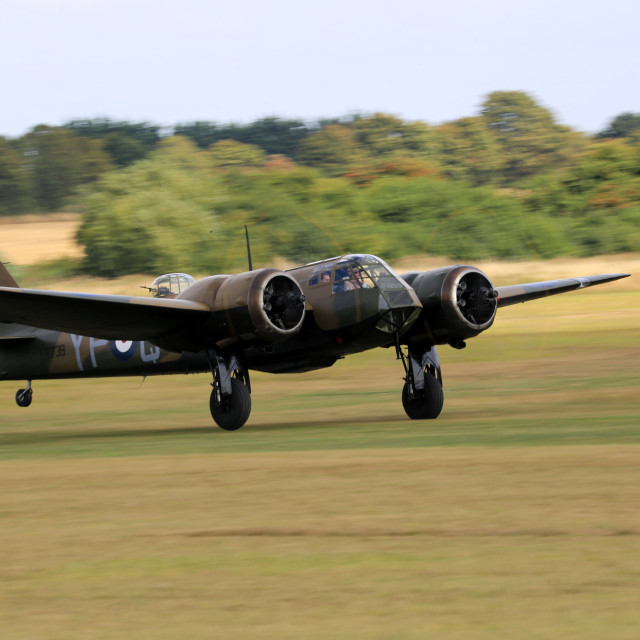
(233, 411)
(427, 403)
(24, 397)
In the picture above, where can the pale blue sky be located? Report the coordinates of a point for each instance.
(239, 60)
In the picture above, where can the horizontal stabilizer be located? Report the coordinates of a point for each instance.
(6, 279)
(100, 316)
(515, 293)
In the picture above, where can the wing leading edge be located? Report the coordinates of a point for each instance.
(134, 318)
(514, 293)
(100, 316)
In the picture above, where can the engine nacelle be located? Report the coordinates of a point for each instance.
(267, 304)
(458, 302)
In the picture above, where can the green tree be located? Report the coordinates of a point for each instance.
(598, 200)
(14, 186)
(124, 149)
(420, 139)
(126, 142)
(229, 154)
(381, 134)
(531, 142)
(607, 167)
(334, 149)
(203, 133)
(155, 216)
(58, 162)
(441, 217)
(181, 153)
(468, 150)
(273, 135)
(622, 126)
(298, 214)
(370, 146)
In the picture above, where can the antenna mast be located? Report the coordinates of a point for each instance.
(246, 232)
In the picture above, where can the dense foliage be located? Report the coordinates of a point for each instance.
(273, 135)
(508, 182)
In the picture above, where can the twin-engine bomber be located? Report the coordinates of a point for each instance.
(263, 320)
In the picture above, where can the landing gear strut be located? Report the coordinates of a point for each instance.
(422, 395)
(230, 401)
(24, 397)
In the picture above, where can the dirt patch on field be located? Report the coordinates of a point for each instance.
(26, 240)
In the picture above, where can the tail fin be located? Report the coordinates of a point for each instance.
(6, 279)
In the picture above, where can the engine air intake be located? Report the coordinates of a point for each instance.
(283, 302)
(474, 298)
(459, 302)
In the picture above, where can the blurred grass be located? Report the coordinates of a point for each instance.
(126, 513)
(526, 543)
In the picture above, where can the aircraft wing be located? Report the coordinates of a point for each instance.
(100, 316)
(515, 293)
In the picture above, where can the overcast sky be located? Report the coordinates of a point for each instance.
(238, 60)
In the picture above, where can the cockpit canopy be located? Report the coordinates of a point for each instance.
(356, 272)
(170, 285)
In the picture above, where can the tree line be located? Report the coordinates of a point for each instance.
(509, 181)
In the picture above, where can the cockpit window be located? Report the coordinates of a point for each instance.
(363, 272)
(381, 274)
(350, 275)
(321, 274)
(170, 285)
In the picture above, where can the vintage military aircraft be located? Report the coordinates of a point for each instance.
(265, 320)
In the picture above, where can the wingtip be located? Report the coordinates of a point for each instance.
(601, 279)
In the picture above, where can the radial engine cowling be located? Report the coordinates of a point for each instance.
(267, 304)
(458, 303)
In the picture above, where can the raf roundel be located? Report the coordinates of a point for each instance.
(123, 349)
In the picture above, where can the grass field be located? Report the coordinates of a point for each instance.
(126, 514)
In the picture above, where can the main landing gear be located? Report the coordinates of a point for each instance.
(230, 401)
(422, 395)
(24, 397)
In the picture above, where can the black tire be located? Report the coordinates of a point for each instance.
(234, 410)
(426, 403)
(24, 397)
